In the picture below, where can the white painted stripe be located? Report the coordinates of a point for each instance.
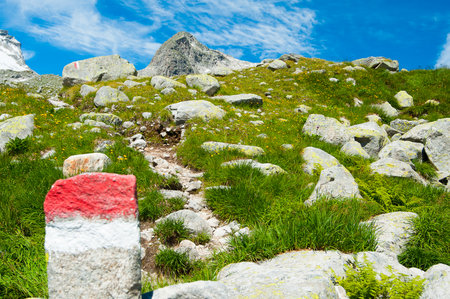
(78, 235)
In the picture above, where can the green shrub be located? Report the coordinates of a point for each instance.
(18, 146)
(361, 282)
(154, 206)
(171, 231)
(425, 169)
(171, 262)
(201, 238)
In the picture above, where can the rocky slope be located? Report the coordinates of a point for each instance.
(183, 54)
(11, 57)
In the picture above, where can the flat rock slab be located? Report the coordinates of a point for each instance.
(395, 168)
(184, 111)
(107, 95)
(161, 82)
(334, 182)
(328, 129)
(247, 150)
(16, 127)
(402, 150)
(192, 221)
(245, 98)
(420, 133)
(393, 231)
(102, 68)
(77, 164)
(371, 137)
(265, 168)
(92, 237)
(316, 159)
(107, 118)
(206, 83)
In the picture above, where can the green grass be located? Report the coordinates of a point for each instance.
(171, 231)
(173, 263)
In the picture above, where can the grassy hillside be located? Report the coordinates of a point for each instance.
(271, 206)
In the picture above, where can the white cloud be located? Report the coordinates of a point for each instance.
(444, 57)
(80, 27)
(28, 54)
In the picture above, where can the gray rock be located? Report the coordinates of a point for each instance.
(374, 118)
(16, 127)
(188, 247)
(192, 221)
(86, 89)
(387, 109)
(357, 102)
(438, 282)
(221, 71)
(48, 154)
(437, 148)
(184, 111)
(247, 150)
(287, 146)
(256, 122)
(168, 194)
(183, 54)
(393, 231)
(103, 146)
(334, 182)
(128, 124)
(333, 80)
(77, 164)
(131, 83)
(371, 137)
(107, 95)
(107, 118)
(303, 109)
(317, 159)
(98, 124)
(420, 133)
(395, 168)
(390, 131)
(5, 116)
(250, 99)
(197, 290)
(328, 129)
(168, 90)
(291, 56)
(12, 57)
(402, 150)
(103, 68)
(384, 263)
(161, 82)
(139, 144)
(265, 168)
(404, 100)
(277, 65)
(353, 148)
(205, 83)
(378, 63)
(147, 115)
(403, 125)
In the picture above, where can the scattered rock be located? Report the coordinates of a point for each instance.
(353, 148)
(107, 118)
(438, 282)
(357, 102)
(387, 109)
(184, 111)
(247, 150)
(221, 71)
(197, 289)
(378, 63)
(371, 137)
(16, 127)
(329, 129)
(107, 95)
(77, 164)
(437, 148)
(86, 89)
(192, 221)
(403, 125)
(395, 168)
(402, 150)
(302, 109)
(334, 182)
(404, 100)
(161, 82)
(277, 65)
(420, 133)
(317, 159)
(206, 83)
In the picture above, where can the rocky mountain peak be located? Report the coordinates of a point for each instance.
(11, 57)
(183, 54)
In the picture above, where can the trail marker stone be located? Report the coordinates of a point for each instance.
(92, 237)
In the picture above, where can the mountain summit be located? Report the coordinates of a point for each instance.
(11, 57)
(183, 54)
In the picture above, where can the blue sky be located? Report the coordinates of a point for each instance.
(54, 33)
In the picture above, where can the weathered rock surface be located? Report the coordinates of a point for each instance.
(317, 159)
(378, 63)
(277, 65)
(183, 54)
(245, 98)
(393, 231)
(184, 111)
(102, 68)
(247, 150)
(371, 137)
(107, 118)
(77, 164)
(404, 100)
(438, 282)
(192, 221)
(107, 95)
(334, 182)
(327, 128)
(420, 133)
(16, 127)
(437, 148)
(205, 83)
(221, 71)
(197, 290)
(404, 125)
(161, 82)
(395, 168)
(402, 150)
(11, 57)
(87, 89)
(387, 109)
(265, 168)
(353, 148)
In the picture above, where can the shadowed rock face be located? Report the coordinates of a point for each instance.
(183, 54)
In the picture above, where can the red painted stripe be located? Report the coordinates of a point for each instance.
(94, 195)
